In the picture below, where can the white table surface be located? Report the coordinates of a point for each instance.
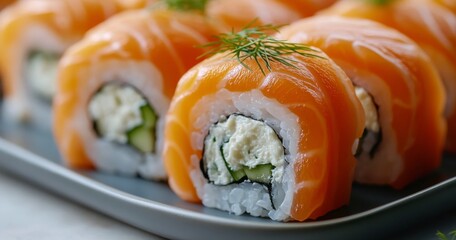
(29, 212)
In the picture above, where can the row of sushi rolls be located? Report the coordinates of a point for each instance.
(271, 108)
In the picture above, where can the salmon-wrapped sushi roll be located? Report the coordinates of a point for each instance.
(236, 14)
(277, 144)
(33, 36)
(430, 25)
(114, 88)
(399, 88)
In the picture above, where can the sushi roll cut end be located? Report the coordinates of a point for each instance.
(371, 138)
(122, 115)
(41, 73)
(240, 149)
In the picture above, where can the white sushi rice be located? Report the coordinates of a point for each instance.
(246, 197)
(114, 157)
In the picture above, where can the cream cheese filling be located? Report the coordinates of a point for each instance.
(41, 73)
(368, 143)
(240, 142)
(116, 109)
(370, 110)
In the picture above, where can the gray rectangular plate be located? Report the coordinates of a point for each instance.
(29, 152)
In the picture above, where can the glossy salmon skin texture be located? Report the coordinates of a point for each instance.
(69, 19)
(430, 25)
(165, 39)
(317, 91)
(404, 83)
(450, 4)
(236, 14)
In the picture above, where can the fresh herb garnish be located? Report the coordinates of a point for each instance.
(255, 43)
(379, 2)
(186, 5)
(442, 236)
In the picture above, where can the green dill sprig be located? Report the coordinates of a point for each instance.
(186, 5)
(442, 236)
(379, 2)
(255, 43)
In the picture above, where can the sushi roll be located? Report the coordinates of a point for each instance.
(427, 23)
(33, 36)
(399, 88)
(236, 14)
(115, 85)
(269, 134)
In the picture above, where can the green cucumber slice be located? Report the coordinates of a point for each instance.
(148, 115)
(45, 56)
(142, 138)
(237, 174)
(261, 173)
